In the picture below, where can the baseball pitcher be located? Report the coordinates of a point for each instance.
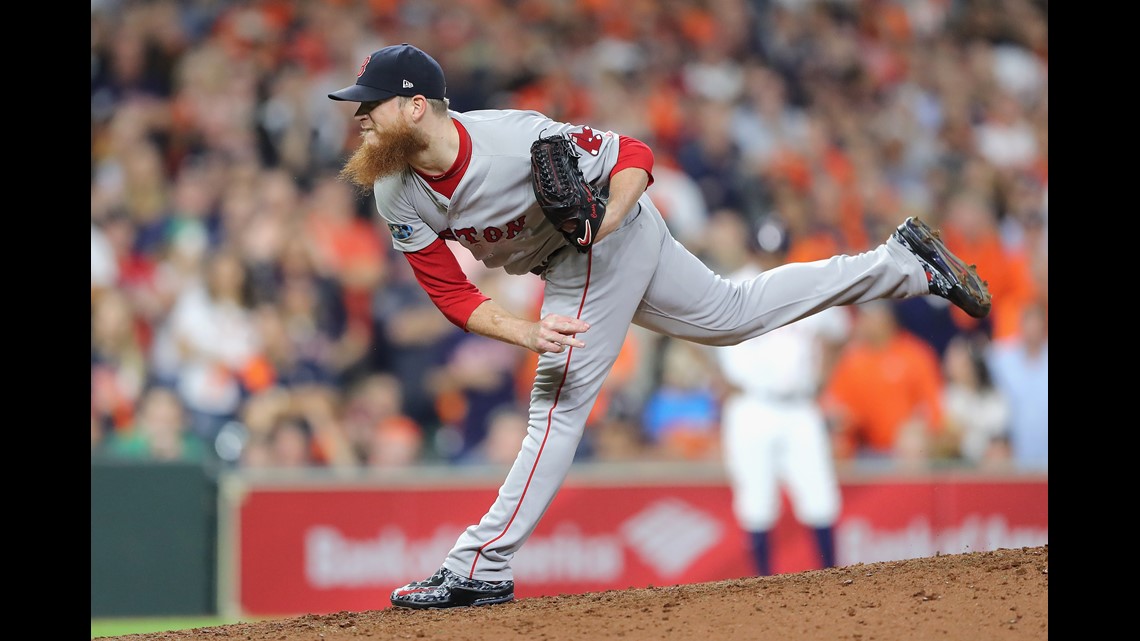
(525, 193)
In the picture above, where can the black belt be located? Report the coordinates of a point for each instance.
(538, 269)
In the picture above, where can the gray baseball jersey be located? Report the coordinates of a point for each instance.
(493, 212)
(637, 274)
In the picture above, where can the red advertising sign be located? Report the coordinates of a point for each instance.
(321, 550)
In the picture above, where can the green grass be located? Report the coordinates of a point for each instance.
(118, 627)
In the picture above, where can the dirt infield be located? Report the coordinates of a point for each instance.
(997, 596)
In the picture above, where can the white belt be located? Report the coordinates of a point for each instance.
(781, 397)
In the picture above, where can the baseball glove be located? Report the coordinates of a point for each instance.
(574, 206)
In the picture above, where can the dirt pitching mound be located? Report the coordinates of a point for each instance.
(1001, 595)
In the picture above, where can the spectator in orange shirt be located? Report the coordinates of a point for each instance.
(1025, 236)
(970, 230)
(1028, 276)
(883, 398)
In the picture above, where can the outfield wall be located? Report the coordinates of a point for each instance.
(296, 545)
(154, 537)
(172, 539)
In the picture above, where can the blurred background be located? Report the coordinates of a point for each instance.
(250, 319)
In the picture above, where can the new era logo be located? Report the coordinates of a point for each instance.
(408, 85)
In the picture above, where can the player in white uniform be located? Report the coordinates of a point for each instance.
(439, 175)
(773, 431)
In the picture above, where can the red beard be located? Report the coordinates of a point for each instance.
(391, 153)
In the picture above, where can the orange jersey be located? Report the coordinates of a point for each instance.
(993, 266)
(1023, 289)
(877, 390)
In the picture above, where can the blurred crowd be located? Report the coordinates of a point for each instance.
(248, 310)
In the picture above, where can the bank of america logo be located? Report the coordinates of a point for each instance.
(670, 534)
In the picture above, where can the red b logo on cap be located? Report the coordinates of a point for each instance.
(363, 65)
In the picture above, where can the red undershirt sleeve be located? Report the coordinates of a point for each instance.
(634, 153)
(441, 277)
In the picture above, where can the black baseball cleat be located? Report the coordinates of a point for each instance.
(446, 589)
(949, 277)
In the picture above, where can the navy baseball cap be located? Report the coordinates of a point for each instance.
(398, 70)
